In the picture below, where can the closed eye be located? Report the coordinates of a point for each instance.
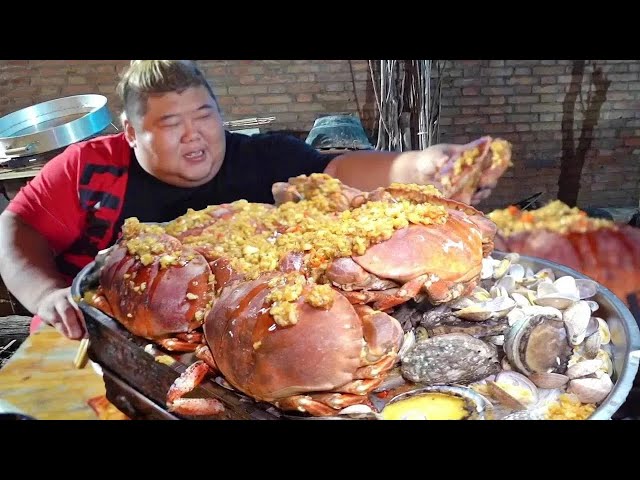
(204, 115)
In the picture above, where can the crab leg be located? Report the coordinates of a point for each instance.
(320, 404)
(185, 383)
(387, 299)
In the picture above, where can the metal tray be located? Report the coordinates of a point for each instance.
(625, 342)
(52, 125)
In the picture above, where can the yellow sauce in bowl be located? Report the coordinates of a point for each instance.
(428, 406)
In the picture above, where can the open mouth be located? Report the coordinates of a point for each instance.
(195, 156)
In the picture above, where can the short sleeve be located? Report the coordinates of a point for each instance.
(49, 202)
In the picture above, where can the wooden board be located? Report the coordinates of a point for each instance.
(133, 368)
(131, 402)
(41, 380)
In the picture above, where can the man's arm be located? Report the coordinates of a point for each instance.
(41, 221)
(368, 170)
(466, 173)
(28, 268)
(287, 157)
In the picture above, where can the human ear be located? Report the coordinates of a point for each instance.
(129, 131)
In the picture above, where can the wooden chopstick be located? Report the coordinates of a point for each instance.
(82, 356)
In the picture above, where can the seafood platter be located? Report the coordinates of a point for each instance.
(334, 303)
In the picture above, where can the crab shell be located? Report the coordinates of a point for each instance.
(327, 350)
(449, 254)
(445, 259)
(156, 301)
(610, 256)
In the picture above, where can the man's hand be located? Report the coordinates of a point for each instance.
(438, 155)
(59, 310)
(437, 165)
(468, 183)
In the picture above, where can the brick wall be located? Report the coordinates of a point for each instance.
(522, 101)
(296, 92)
(519, 100)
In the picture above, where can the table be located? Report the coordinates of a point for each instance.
(41, 380)
(12, 180)
(19, 173)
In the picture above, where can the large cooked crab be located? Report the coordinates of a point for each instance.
(295, 298)
(601, 249)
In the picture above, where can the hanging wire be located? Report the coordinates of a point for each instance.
(423, 81)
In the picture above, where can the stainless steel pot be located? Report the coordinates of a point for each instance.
(52, 125)
(625, 335)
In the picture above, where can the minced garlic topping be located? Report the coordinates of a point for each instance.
(555, 216)
(498, 149)
(568, 407)
(287, 288)
(257, 237)
(144, 241)
(193, 219)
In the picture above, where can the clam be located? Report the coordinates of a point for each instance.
(605, 333)
(560, 294)
(552, 343)
(549, 380)
(576, 319)
(517, 272)
(545, 274)
(538, 344)
(591, 390)
(592, 327)
(480, 295)
(360, 411)
(513, 390)
(556, 300)
(487, 268)
(591, 345)
(504, 265)
(495, 308)
(586, 288)
(607, 364)
(498, 291)
(584, 368)
(508, 283)
(593, 305)
(521, 300)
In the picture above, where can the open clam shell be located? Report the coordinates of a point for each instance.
(495, 308)
(513, 390)
(576, 319)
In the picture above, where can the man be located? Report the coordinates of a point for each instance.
(173, 154)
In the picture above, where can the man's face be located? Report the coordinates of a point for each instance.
(180, 139)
